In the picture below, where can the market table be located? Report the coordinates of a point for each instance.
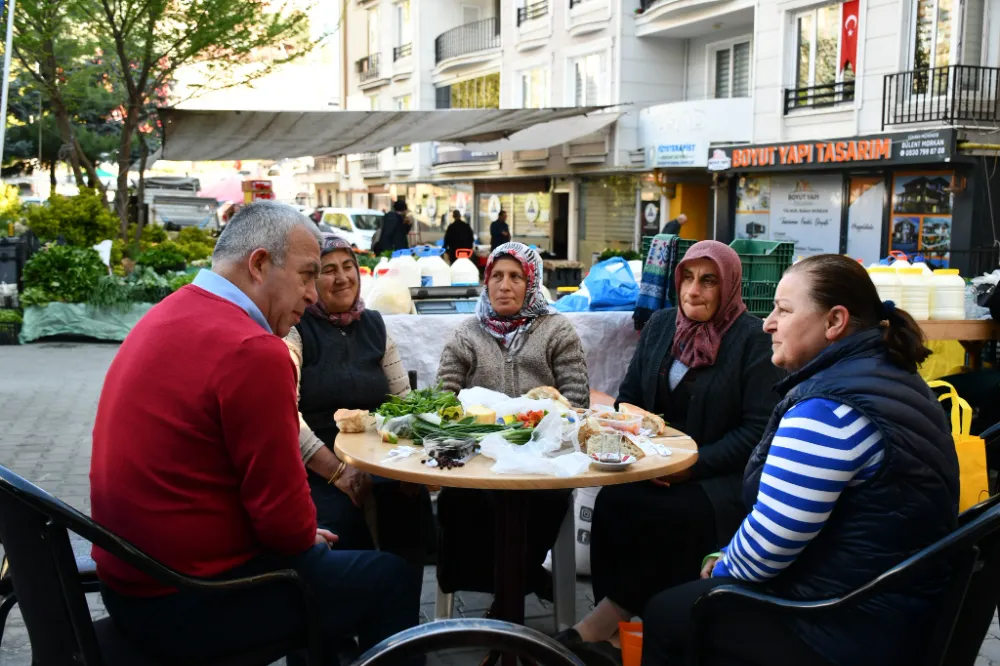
(973, 334)
(367, 452)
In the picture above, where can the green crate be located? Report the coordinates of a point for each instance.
(764, 261)
(759, 297)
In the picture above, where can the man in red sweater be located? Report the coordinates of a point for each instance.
(196, 461)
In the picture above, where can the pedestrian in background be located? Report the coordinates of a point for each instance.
(499, 231)
(673, 227)
(459, 236)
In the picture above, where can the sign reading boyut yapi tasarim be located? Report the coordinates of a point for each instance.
(929, 146)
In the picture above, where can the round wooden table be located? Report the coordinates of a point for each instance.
(367, 452)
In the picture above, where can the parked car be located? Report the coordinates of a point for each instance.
(357, 225)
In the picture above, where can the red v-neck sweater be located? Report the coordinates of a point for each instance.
(196, 457)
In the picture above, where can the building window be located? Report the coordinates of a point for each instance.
(479, 93)
(818, 78)
(588, 73)
(732, 71)
(403, 25)
(373, 103)
(535, 88)
(372, 31)
(403, 104)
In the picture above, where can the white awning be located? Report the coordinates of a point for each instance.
(248, 135)
(548, 134)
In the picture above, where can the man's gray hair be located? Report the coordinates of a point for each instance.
(261, 225)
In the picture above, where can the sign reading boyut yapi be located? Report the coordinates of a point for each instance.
(929, 146)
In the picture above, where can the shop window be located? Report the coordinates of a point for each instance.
(805, 210)
(732, 71)
(921, 216)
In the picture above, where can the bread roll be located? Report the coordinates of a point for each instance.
(546, 392)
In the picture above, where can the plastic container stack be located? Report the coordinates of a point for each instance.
(886, 283)
(463, 271)
(916, 292)
(947, 295)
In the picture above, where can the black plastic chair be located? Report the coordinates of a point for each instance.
(469, 633)
(34, 530)
(971, 551)
(86, 569)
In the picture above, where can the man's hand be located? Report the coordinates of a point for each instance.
(326, 537)
(355, 484)
(671, 479)
(706, 571)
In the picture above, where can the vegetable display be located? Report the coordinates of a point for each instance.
(422, 401)
(469, 429)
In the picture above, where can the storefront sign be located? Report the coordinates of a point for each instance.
(806, 211)
(431, 206)
(531, 208)
(911, 147)
(451, 154)
(688, 154)
(462, 203)
(651, 212)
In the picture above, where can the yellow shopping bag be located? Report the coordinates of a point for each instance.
(971, 450)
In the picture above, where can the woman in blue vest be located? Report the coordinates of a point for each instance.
(856, 471)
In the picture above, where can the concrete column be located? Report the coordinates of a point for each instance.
(573, 223)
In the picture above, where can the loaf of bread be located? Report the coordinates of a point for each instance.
(612, 444)
(546, 392)
(352, 420)
(650, 421)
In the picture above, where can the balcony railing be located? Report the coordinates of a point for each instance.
(643, 4)
(533, 11)
(371, 162)
(959, 93)
(400, 52)
(827, 94)
(468, 38)
(368, 67)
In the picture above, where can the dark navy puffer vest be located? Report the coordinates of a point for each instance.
(911, 502)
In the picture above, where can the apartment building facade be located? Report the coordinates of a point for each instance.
(873, 125)
(710, 85)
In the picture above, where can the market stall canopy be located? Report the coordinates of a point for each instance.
(548, 134)
(248, 135)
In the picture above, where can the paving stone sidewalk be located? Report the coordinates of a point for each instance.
(48, 396)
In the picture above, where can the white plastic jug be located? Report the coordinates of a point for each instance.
(922, 265)
(463, 271)
(434, 272)
(367, 282)
(947, 294)
(407, 269)
(916, 288)
(886, 283)
(900, 261)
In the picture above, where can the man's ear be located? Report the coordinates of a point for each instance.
(259, 262)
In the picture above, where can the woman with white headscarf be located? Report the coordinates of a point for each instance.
(514, 344)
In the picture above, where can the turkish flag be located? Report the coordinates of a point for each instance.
(849, 35)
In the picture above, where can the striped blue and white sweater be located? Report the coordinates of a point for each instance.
(821, 447)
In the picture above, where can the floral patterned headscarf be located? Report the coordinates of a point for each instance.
(332, 243)
(512, 331)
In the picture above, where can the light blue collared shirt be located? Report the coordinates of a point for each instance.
(215, 284)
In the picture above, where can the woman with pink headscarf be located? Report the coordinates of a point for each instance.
(706, 367)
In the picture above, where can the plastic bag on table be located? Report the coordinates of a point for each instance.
(529, 458)
(478, 395)
(400, 426)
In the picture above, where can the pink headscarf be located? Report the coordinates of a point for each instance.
(696, 343)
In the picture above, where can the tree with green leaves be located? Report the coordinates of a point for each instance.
(150, 40)
(54, 47)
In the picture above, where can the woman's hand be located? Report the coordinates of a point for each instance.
(671, 479)
(326, 537)
(706, 571)
(355, 484)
